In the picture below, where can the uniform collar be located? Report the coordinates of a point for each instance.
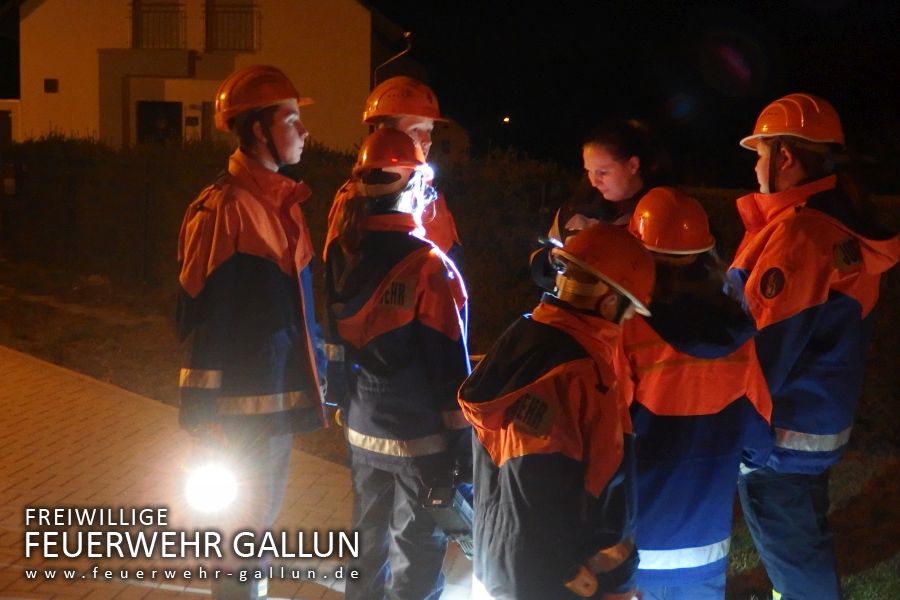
(758, 210)
(267, 185)
(583, 326)
(393, 221)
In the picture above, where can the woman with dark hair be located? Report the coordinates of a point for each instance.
(396, 307)
(623, 159)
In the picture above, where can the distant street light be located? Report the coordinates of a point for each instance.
(505, 120)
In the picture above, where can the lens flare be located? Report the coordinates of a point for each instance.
(211, 488)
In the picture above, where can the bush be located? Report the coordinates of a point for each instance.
(91, 209)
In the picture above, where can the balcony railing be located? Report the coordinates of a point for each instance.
(232, 27)
(158, 25)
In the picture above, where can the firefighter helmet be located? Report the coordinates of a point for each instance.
(800, 115)
(387, 148)
(400, 96)
(387, 161)
(616, 257)
(251, 88)
(668, 221)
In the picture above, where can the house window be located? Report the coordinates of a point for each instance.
(232, 26)
(157, 24)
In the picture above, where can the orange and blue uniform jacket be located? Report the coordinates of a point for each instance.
(437, 222)
(397, 307)
(810, 274)
(695, 418)
(553, 480)
(254, 350)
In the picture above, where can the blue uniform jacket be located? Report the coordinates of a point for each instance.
(698, 409)
(397, 308)
(253, 349)
(810, 275)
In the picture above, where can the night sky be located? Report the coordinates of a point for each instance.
(699, 71)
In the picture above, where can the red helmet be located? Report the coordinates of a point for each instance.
(400, 96)
(251, 88)
(800, 115)
(617, 258)
(669, 221)
(387, 147)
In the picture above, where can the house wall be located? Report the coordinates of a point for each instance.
(324, 46)
(117, 67)
(67, 53)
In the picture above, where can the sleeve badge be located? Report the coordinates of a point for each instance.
(771, 283)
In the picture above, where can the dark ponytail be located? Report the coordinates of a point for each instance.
(350, 220)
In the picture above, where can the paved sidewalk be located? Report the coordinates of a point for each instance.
(68, 440)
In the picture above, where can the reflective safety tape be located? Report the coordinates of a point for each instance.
(684, 558)
(608, 559)
(263, 404)
(454, 419)
(423, 446)
(811, 442)
(204, 379)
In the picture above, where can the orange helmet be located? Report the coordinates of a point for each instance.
(800, 115)
(400, 96)
(616, 257)
(253, 87)
(394, 160)
(669, 221)
(387, 148)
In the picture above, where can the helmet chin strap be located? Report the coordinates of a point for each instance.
(623, 305)
(270, 143)
(774, 150)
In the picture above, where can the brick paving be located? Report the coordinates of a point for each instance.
(69, 440)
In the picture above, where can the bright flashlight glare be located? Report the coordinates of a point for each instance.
(211, 488)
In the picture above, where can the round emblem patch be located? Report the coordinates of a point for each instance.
(772, 283)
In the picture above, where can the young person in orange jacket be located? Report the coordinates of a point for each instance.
(251, 374)
(810, 264)
(700, 403)
(554, 499)
(396, 307)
